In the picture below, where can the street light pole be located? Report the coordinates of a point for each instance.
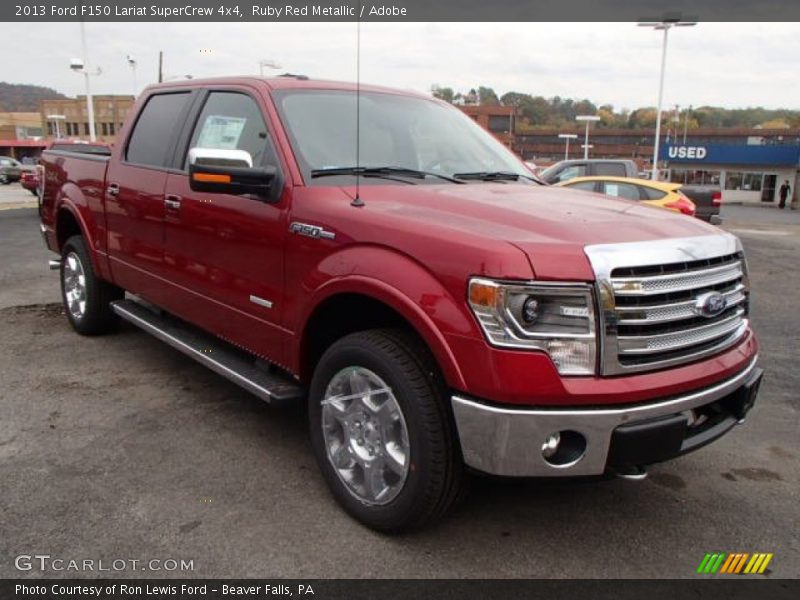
(664, 26)
(86, 75)
(588, 119)
(567, 137)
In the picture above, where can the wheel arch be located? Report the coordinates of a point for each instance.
(378, 305)
(73, 217)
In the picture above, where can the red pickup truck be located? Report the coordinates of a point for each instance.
(440, 310)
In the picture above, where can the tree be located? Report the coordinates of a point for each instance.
(487, 97)
(443, 93)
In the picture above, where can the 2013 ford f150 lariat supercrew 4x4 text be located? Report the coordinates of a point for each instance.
(440, 310)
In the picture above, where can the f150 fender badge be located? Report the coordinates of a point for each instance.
(710, 304)
(312, 231)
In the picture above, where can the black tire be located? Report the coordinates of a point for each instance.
(97, 317)
(436, 476)
(34, 192)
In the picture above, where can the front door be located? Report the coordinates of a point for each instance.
(224, 253)
(768, 188)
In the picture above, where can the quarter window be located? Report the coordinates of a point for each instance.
(155, 129)
(652, 193)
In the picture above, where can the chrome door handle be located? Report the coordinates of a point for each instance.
(172, 201)
(112, 189)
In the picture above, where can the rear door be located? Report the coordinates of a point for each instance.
(224, 253)
(134, 195)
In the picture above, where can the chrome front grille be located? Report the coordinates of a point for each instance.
(653, 299)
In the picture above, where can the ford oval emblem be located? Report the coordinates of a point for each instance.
(710, 304)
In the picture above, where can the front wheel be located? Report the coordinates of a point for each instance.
(382, 432)
(86, 297)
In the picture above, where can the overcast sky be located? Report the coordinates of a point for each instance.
(724, 64)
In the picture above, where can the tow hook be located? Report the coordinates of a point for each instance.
(54, 265)
(632, 473)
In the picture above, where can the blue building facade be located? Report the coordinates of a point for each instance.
(747, 173)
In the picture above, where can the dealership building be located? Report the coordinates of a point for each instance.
(749, 164)
(747, 173)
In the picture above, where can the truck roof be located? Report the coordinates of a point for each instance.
(286, 82)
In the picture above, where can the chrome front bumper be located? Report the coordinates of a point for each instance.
(508, 442)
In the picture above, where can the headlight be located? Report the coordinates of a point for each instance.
(556, 318)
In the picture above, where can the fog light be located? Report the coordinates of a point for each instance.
(550, 446)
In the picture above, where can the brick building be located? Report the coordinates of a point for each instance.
(498, 120)
(110, 112)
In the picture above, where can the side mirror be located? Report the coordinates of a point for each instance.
(223, 171)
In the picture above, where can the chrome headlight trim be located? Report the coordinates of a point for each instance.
(573, 353)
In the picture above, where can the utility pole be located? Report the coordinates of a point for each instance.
(686, 123)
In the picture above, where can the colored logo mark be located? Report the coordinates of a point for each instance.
(737, 563)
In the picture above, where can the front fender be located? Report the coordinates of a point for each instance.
(402, 284)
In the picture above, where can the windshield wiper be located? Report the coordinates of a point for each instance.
(388, 172)
(492, 176)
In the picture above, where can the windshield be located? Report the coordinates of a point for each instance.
(395, 131)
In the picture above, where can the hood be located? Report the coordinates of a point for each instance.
(550, 225)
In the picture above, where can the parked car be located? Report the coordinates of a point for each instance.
(10, 170)
(30, 181)
(606, 167)
(655, 193)
(707, 199)
(439, 310)
(81, 146)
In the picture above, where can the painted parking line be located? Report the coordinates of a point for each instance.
(761, 231)
(14, 205)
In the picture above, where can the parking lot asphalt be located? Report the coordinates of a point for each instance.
(119, 447)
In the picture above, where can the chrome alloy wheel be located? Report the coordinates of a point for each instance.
(74, 286)
(365, 435)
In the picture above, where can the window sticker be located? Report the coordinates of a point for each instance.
(221, 132)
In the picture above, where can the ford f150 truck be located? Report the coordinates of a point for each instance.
(440, 311)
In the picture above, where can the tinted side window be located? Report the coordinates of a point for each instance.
(156, 129)
(570, 172)
(610, 169)
(233, 121)
(652, 193)
(622, 190)
(586, 186)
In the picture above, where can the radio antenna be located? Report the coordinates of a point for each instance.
(357, 201)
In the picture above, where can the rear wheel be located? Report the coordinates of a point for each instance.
(382, 432)
(86, 297)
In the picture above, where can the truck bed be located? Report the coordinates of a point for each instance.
(703, 197)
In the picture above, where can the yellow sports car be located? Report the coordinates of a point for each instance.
(655, 193)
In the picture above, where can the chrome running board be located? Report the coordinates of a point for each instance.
(233, 364)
